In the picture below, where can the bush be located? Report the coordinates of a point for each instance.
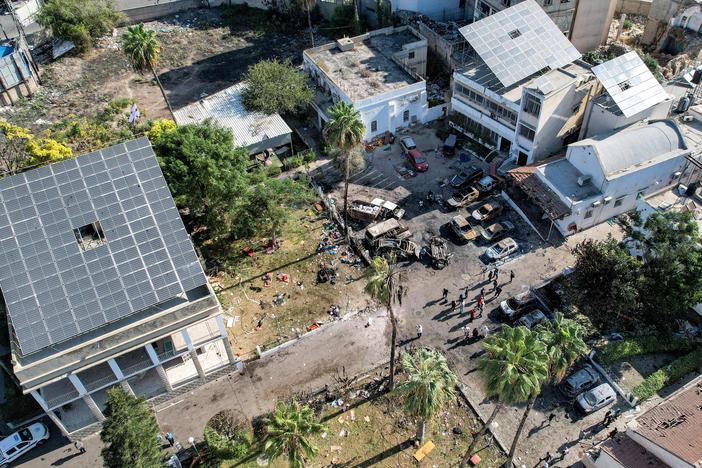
(275, 87)
(293, 161)
(628, 24)
(618, 350)
(79, 21)
(308, 156)
(225, 436)
(669, 374)
(274, 171)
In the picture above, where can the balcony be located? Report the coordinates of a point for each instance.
(58, 393)
(134, 362)
(97, 377)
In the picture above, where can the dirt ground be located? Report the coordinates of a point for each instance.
(202, 52)
(246, 298)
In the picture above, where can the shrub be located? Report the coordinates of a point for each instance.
(274, 171)
(79, 21)
(618, 350)
(308, 156)
(669, 374)
(159, 127)
(293, 161)
(628, 24)
(225, 436)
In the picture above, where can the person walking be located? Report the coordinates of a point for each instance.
(79, 446)
(453, 306)
(420, 330)
(498, 291)
(484, 331)
(490, 275)
(170, 438)
(551, 417)
(445, 296)
(607, 418)
(511, 275)
(466, 332)
(473, 314)
(494, 284)
(482, 292)
(497, 273)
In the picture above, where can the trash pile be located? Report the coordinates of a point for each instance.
(448, 30)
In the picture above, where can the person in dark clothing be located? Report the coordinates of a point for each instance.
(498, 291)
(445, 295)
(453, 306)
(490, 275)
(494, 284)
(511, 276)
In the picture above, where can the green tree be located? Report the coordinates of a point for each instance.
(129, 432)
(385, 284)
(225, 436)
(514, 366)
(672, 268)
(204, 171)
(79, 21)
(287, 432)
(383, 12)
(429, 387)
(605, 281)
(142, 48)
(344, 131)
(20, 149)
(275, 87)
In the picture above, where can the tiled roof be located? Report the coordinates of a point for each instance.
(676, 424)
(628, 453)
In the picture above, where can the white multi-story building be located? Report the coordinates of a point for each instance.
(606, 175)
(102, 286)
(379, 73)
(522, 91)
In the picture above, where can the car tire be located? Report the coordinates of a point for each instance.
(42, 442)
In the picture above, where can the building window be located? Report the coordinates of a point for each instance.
(405, 116)
(496, 110)
(619, 201)
(514, 34)
(527, 132)
(588, 213)
(410, 55)
(374, 126)
(532, 105)
(90, 236)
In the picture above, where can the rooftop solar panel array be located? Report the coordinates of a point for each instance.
(54, 288)
(630, 83)
(519, 41)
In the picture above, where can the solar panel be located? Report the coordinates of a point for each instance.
(517, 42)
(58, 284)
(630, 83)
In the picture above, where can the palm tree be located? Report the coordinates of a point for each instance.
(430, 386)
(564, 345)
(309, 4)
(287, 429)
(142, 48)
(385, 285)
(514, 365)
(345, 131)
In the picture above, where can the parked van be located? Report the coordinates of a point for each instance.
(17, 444)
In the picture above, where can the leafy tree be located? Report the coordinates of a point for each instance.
(385, 284)
(606, 280)
(79, 21)
(204, 170)
(430, 385)
(226, 437)
(129, 432)
(672, 268)
(267, 206)
(344, 131)
(563, 338)
(514, 366)
(355, 155)
(142, 48)
(275, 87)
(159, 127)
(20, 149)
(383, 12)
(287, 431)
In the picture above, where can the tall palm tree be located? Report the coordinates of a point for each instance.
(286, 433)
(514, 366)
(344, 130)
(385, 285)
(309, 4)
(563, 339)
(142, 48)
(430, 386)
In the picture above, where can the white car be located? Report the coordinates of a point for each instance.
(597, 398)
(502, 249)
(510, 307)
(407, 144)
(17, 444)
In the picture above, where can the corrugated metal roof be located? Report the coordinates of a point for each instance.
(674, 425)
(226, 109)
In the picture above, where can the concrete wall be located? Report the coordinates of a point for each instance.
(388, 109)
(146, 10)
(591, 24)
(633, 7)
(441, 10)
(599, 120)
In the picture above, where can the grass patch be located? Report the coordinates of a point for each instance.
(668, 375)
(618, 350)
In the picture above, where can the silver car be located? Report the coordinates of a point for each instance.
(579, 381)
(531, 319)
(597, 398)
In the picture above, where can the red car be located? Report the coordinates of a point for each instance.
(417, 160)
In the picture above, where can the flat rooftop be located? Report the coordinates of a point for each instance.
(368, 69)
(564, 176)
(544, 81)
